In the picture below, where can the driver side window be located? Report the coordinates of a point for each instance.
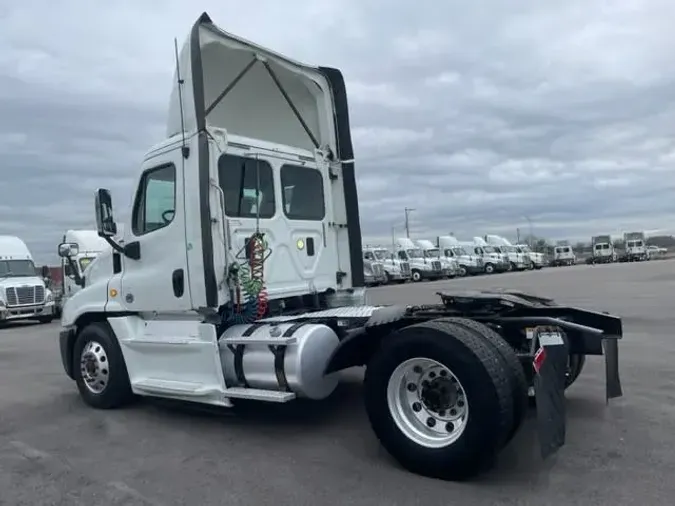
(155, 203)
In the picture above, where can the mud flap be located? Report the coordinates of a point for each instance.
(550, 365)
(613, 382)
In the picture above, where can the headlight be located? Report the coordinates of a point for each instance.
(50, 297)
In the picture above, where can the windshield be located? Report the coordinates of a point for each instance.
(563, 249)
(489, 249)
(381, 254)
(84, 262)
(524, 249)
(415, 253)
(21, 268)
(433, 253)
(634, 244)
(509, 249)
(458, 250)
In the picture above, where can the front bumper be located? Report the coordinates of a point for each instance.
(15, 313)
(398, 276)
(474, 269)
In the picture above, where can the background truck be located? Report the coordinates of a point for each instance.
(23, 294)
(395, 270)
(420, 266)
(449, 265)
(602, 249)
(214, 300)
(518, 260)
(469, 264)
(493, 260)
(635, 249)
(87, 245)
(537, 260)
(373, 270)
(563, 254)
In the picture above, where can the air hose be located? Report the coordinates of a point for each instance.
(250, 299)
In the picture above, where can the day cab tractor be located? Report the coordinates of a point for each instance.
(240, 277)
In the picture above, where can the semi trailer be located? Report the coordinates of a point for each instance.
(229, 296)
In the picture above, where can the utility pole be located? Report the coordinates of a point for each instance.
(529, 221)
(408, 210)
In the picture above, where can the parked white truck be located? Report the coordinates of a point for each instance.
(635, 248)
(602, 249)
(395, 269)
(23, 294)
(563, 254)
(537, 260)
(518, 260)
(214, 298)
(373, 270)
(420, 267)
(493, 260)
(87, 245)
(468, 263)
(450, 266)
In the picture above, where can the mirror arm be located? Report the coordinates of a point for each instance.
(79, 280)
(131, 250)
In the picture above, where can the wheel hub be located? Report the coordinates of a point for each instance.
(427, 402)
(94, 367)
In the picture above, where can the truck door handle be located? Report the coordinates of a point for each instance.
(310, 246)
(178, 282)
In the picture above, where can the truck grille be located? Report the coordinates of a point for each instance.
(25, 295)
(436, 265)
(378, 270)
(405, 268)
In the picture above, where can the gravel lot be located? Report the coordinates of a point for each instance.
(54, 450)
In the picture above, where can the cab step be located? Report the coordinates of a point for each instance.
(256, 394)
(265, 340)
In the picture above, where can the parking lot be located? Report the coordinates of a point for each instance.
(54, 450)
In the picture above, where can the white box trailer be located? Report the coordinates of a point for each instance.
(217, 297)
(23, 294)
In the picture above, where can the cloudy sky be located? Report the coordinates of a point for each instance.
(480, 115)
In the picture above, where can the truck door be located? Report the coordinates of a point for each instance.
(158, 281)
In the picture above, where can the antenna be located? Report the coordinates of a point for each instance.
(185, 150)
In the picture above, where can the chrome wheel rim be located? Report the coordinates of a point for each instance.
(94, 367)
(427, 402)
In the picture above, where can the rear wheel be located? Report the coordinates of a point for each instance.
(99, 369)
(439, 399)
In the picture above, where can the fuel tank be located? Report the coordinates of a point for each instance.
(303, 362)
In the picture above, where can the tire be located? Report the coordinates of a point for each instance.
(489, 268)
(117, 390)
(387, 278)
(531, 266)
(462, 271)
(576, 365)
(514, 267)
(510, 362)
(481, 376)
(416, 276)
(46, 319)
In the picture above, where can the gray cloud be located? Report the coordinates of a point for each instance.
(480, 116)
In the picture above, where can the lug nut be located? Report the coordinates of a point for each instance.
(449, 426)
(431, 422)
(441, 412)
(443, 373)
(412, 387)
(416, 407)
(432, 375)
(453, 412)
(417, 369)
(460, 403)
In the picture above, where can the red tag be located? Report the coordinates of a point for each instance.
(539, 358)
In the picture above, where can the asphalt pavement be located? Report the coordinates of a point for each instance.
(56, 451)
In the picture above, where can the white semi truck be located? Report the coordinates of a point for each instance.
(602, 249)
(87, 245)
(563, 254)
(217, 298)
(469, 264)
(23, 294)
(518, 260)
(450, 266)
(373, 270)
(635, 248)
(421, 267)
(395, 270)
(537, 260)
(493, 260)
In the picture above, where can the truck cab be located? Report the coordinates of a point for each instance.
(635, 246)
(449, 265)
(563, 254)
(469, 263)
(602, 250)
(537, 260)
(493, 260)
(373, 270)
(421, 267)
(517, 260)
(23, 294)
(395, 269)
(86, 247)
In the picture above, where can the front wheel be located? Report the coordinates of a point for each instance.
(99, 369)
(489, 268)
(416, 276)
(439, 400)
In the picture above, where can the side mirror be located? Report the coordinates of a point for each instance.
(45, 271)
(68, 249)
(105, 223)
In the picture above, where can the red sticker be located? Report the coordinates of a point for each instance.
(539, 358)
